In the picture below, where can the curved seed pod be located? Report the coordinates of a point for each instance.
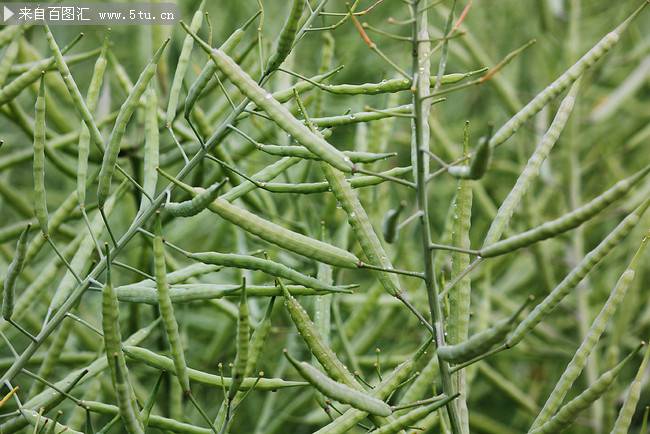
(126, 110)
(276, 234)
(382, 391)
(568, 413)
(531, 171)
(394, 85)
(164, 363)
(624, 418)
(40, 422)
(314, 341)
(40, 202)
(324, 187)
(481, 342)
(115, 357)
(197, 204)
(412, 417)
(568, 221)
(579, 360)
(338, 391)
(92, 97)
(362, 228)
(151, 145)
(12, 89)
(576, 275)
(182, 64)
(391, 220)
(562, 82)
(477, 166)
(286, 37)
(167, 310)
(243, 336)
(302, 152)
(13, 271)
(254, 263)
(276, 111)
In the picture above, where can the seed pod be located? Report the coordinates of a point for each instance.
(167, 310)
(338, 391)
(568, 221)
(481, 342)
(197, 204)
(576, 275)
(243, 336)
(304, 153)
(113, 148)
(286, 37)
(9, 56)
(276, 269)
(591, 338)
(115, 357)
(40, 202)
(151, 145)
(92, 97)
(182, 64)
(543, 149)
(562, 82)
(390, 223)
(13, 271)
(276, 234)
(40, 422)
(626, 413)
(276, 111)
(568, 413)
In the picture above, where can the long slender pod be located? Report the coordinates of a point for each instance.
(533, 166)
(40, 202)
(167, 310)
(182, 65)
(115, 139)
(568, 221)
(567, 414)
(92, 97)
(563, 81)
(115, 357)
(576, 275)
(151, 146)
(338, 391)
(625, 414)
(13, 271)
(287, 36)
(579, 360)
(412, 417)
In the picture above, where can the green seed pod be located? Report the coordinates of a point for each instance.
(254, 263)
(126, 111)
(197, 204)
(568, 221)
(39, 422)
(151, 145)
(167, 310)
(477, 166)
(13, 271)
(576, 275)
(624, 419)
(286, 37)
(276, 111)
(243, 336)
(390, 223)
(92, 97)
(338, 391)
(40, 202)
(568, 413)
(182, 64)
(481, 342)
(9, 56)
(115, 357)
